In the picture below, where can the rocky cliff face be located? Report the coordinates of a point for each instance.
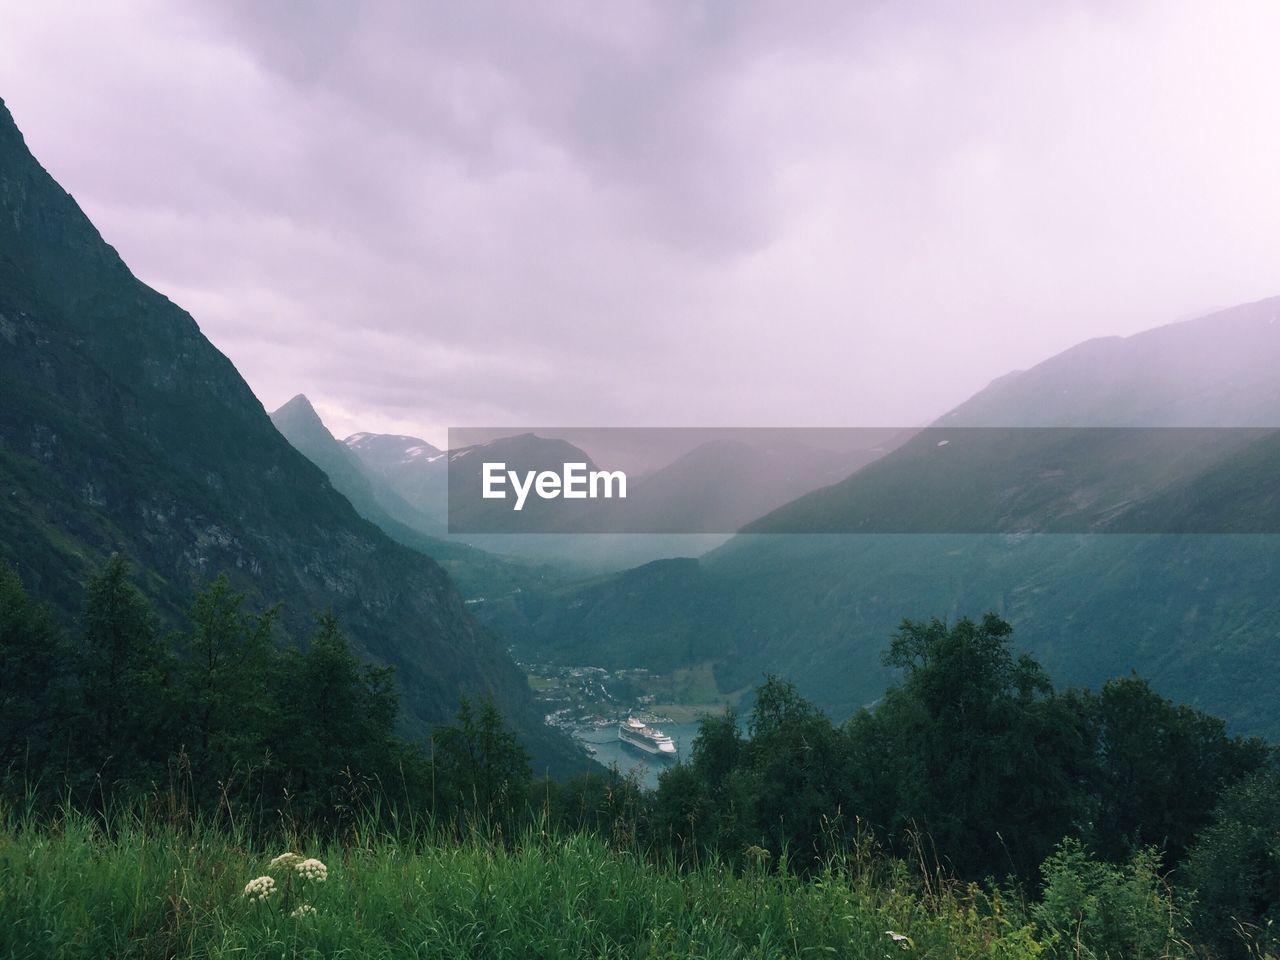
(123, 429)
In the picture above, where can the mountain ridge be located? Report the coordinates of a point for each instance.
(1196, 613)
(122, 429)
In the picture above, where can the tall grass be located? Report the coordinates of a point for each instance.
(137, 883)
(96, 888)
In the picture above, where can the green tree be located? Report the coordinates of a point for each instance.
(223, 698)
(1162, 768)
(706, 802)
(973, 749)
(799, 774)
(120, 731)
(335, 725)
(482, 771)
(1093, 909)
(1234, 869)
(33, 699)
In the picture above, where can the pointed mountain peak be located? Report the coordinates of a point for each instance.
(298, 405)
(299, 422)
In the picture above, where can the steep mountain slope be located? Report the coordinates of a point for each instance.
(1014, 480)
(1198, 613)
(122, 429)
(299, 423)
(480, 576)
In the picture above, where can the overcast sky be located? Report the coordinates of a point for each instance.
(433, 214)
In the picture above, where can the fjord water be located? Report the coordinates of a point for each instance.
(611, 751)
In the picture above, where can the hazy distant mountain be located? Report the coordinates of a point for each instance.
(523, 454)
(479, 575)
(683, 508)
(373, 498)
(122, 429)
(386, 453)
(299, 423)
(1014, 480)
(1199, 614)
(1215, 371)
(434, 482)
(1043, 473)
(722, 484)
(413, 469)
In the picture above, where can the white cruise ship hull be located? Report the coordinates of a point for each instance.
(643, 744)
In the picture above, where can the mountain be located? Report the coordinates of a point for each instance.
(299, 423)
(1015, 480)
(1198, 613)
(122, 429)
(682, 508)
(1070, 443)
(420, 475)
(722, 484)
(374, 500)
(523, 454)
(482, 577)
(1212, 371)
(386, 453)
(413, 469)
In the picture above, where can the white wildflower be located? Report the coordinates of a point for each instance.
(313, 870)
(901, 939)
(284, 860)
(259, 889)
(304, 910)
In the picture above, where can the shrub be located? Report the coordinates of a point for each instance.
(1099, 910)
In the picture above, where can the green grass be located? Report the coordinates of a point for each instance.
(74, 890)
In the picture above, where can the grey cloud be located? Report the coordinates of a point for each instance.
(730, 213)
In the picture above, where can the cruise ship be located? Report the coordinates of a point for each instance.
(636, 734)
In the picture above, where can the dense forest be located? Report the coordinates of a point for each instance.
(1115, 819)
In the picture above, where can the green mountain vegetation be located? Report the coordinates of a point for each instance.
(124, 431)
(150, 782)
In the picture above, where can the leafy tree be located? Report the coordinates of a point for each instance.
(1162, 768)
(799, 772)
(707, 803)
(973, 748)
